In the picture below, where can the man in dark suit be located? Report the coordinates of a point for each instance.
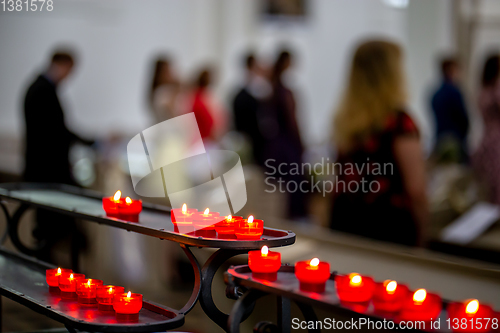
(48, 142)
(246, 107)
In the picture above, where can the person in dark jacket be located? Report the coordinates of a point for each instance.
(48, 143)
(450, 113)
(248, 103)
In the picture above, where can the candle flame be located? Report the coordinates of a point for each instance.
(390, 286)
(89, 282)
(355, 279)
(229, 217)
(71, 276)
(59, 270)
(117, 195)
(206, 212)
(129, 294)
(250, 219)
(419, 296)
(128, 200)
(264, 251)
(314, 262)
(110, 290)
(472, 307)
(184, 209)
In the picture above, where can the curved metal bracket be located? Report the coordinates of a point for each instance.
(197, 280)
(14, 232)
(241, 309)
(207, 275)
(7, 222)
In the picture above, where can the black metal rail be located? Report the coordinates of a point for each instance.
(22, 279)
(286, 287)
(153, 221)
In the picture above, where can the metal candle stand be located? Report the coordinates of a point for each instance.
(86, 205)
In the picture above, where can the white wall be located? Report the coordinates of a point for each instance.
(117, 38)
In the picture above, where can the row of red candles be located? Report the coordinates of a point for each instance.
(187, 220)
(387, 296)
(92, 292)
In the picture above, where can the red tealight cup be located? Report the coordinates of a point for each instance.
(178, 214)
(105, 296)
(86, 289)
(119, 207)
(421, 306)
(67, 284)
(264, 264)
(389, 296)
(470, 316)
(52, 277)
(226, 227)
(354, 288)
(127, 306)
(249, 229)
(206, 220)
(312, 275)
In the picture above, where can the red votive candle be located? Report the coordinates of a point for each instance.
(264, 264)
(127, 306)
(105, 296)
(183, 219)
(470, 316)
(86, 289)
(52, 276)
(421, 306)
(117, 206)
(206, 220)
(389, 296)
(354, 287)
(177, 214)
(249, 229)
(312, 275)
(226, 227)
(68, 282)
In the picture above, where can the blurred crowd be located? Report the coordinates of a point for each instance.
(372, 126)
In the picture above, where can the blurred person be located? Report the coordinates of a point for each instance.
(203, 104)
(450, 112)
(165, 88)
(371, 129)
(47, 146)
(247, 104)
(486, 159)
(283, 142)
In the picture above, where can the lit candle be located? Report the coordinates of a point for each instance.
(105, 296)
(52, 276)
(177, 214)
(127, 306)
(264, 264)
(389, 296)
(183, 219)
(421, 306)
(470, 316)
(249, 229)
(226, 227)
(312, 275)
(116, 206)
(204, 223)
(354, 288)
(86, 289)
(68, 282)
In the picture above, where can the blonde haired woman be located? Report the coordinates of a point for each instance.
(384, 195)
